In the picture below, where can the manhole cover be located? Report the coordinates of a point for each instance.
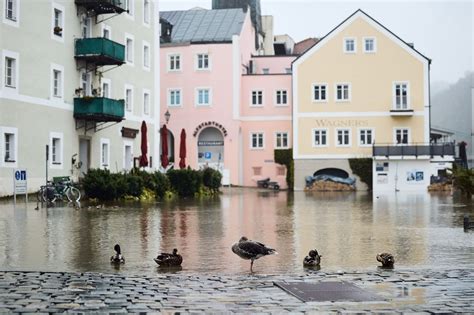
(327, 291)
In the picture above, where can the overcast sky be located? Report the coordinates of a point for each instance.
(441, 30)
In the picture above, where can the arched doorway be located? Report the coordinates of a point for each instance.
(333, 172)
(211, 149)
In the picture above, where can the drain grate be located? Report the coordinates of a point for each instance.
(327, 291)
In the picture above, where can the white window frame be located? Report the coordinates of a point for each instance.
(15, 21)
(395, 129)
(108, 28)
(394, 97)
(147, 12)
(130, 7)
(349, 137)
(129, 52)
(280, 134)
(197, 67)
(60, 69)
(281, 91)
(86, 24)
(209, 94)
(146, 55)
(8, 130)
(59, 38)
(168, 97)
(364, 42)
(109, 83)
(252, 133)
(127, 143)
(319, 85)
(146, 104)
(16, 57)
(344, 43)
(107, 153)
(168, 62)
(313, 136)
(359, 134)
(349, 92)
(128, 102)
(251, 98)
(58, 164)
(88, 82)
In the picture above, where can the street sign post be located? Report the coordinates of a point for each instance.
(20, 183)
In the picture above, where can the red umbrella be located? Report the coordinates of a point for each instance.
(164, 147)
(182, 150)
(144, 146)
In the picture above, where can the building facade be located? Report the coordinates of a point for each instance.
(361, 91)
(79, 77)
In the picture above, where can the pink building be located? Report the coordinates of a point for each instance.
(235, 106)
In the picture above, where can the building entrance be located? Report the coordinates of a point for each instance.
(211, 149)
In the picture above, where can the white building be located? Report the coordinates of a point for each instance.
(79, 76)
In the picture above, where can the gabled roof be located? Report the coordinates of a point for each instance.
(195, 26)
(375, 23)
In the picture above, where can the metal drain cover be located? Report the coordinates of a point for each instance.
(327, 291)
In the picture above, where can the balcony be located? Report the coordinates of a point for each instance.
(103, 6)
(413, 150)
(401, 112)
(100, 51)
(99, 109)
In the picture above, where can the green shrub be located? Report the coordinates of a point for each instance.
(463, 179)
(185, 182)
(362, 167)
(134, 185)
(100, 184)
(161, 184)
(285, 157)
(212, 178)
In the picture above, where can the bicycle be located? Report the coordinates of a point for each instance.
(56, 190)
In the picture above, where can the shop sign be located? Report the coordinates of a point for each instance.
(129, 132)
(210, 143)
(210, 124)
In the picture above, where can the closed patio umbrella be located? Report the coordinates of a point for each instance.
(182, 150)
(164, 147)
(144, 145)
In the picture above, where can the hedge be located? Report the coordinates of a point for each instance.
(285, 157)
(362, 167)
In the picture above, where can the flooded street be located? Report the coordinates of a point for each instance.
(348, 229)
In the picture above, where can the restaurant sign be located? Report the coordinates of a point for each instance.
(210, 143)
(210, 124)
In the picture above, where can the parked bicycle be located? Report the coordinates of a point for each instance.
(57, 189)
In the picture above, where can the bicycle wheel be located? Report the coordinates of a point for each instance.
(41, 195)
(73, 194)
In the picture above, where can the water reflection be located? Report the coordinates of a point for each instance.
(348, 230)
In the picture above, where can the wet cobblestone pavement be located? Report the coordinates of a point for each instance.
(419, 291)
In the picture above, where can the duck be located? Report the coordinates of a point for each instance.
(169, 260)
(117, 258)
(386, 259)
(313, 259)
(253, 250)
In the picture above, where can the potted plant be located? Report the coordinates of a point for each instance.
(57, 30)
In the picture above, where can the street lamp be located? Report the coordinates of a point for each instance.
(167, 116)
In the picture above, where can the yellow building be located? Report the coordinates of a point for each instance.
(361, 91)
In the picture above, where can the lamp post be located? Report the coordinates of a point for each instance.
(167, 116)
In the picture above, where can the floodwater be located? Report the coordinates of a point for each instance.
(348, 229)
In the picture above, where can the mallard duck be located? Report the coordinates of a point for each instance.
(247, 249)
(168, 260)
(313, 259)
(117, 258)
(386, 259)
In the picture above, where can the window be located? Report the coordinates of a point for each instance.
(257, 98)
(129, 50)
(146, 103)
(9, 147)
(343, 92)
(350, 45)
(174, 62)
(129, 99)
(402, 136)
(56, 151)
(58, 22)
(202, 62)
(320, 137)
(57, 83)
(320, 92)
(86, 83)
(281, 140)
(281, 97)
(203, 97)
(11, 10)
(130, 7)
(256, 140)
(104, 152)
(366, 137)
(343, 137)
(174, 97)
(106, 32)
(265, 70)
(86, 27)
(369, 45)
(106, 88)
(10, 72)
(146, 11)
(401, 96)
(146, 56)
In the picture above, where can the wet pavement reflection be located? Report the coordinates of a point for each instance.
(348, 230)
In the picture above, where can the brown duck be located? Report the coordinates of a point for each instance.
(386, 259)
(168, 260)
(313, 259)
